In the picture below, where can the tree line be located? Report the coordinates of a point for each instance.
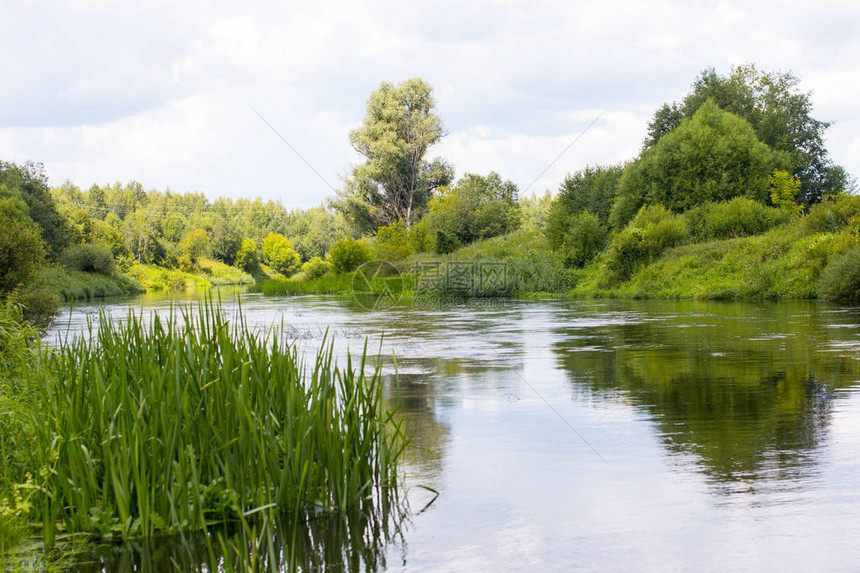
(743, 138)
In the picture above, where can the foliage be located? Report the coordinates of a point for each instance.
(31, 185)
(315, 268)
(152, 444)
(779, 113)
(392, 242)
(652, 231)
(422, 237)
(81, 286)
(89, 258)
(396, 181)
(222, 274)
(246, 256)
(833, 214)
(446, 243)
(21, 252)
(712, 156)
(840, 280)
(535, 210)
(226, 241)
(347, 254)
(279, 254)
(591, 189)
(477, 207)
(739, 217)
(784, 191)
(585, 239)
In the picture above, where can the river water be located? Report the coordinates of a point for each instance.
(595, 435)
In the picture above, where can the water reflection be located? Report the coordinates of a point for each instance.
(746, 390)
(356, 541)
(730, 432)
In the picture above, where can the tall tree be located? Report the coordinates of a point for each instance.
(712, 156)
(396, 181)
(779, 112)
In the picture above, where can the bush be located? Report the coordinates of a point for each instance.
(740, 217)
(21, 253)
(392, 242)
(279, 254)
(840, 280)
(315, 268)
(446, 243)
(246, 256)
(653, 230)
(832, 214)
(89, 259)
(585, 238)
(421, 237)
(347, 254)
(38, 307)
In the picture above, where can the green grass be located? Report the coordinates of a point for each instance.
(220, 274)
(208, 274)
(168, 425)
(78, 285)
(783, 263)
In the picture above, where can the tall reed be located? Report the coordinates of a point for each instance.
(170, 424)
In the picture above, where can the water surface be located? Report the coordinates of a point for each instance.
(604, 436)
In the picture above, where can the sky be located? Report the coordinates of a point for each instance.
(180, 95)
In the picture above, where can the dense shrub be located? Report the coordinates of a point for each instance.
(712, 156)
(585, 238)
(21, 252)
(279, 254)
(653, 230)
(246, 256)
(347, 254)
(740, 217)
(315, 268)
(89, 259)
(832, 214)
(446, 243)
(840, 280)
(392, 242)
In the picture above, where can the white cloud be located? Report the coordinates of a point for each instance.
(162, 92)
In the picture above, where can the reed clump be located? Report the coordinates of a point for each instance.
(166, 425)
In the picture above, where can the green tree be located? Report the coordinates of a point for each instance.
(396, 181)
(477, 207)
(591, 189)
(712, 156)
(246, 256)
(279, 254)
(778, 111)
(194, 245)
(784, 191)
(226, 241)
(392, 242)
(584, 240)
(21, 253)
(31, 181)
(347, 254)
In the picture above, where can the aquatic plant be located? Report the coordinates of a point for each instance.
(170, 424)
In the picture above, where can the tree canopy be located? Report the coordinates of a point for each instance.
(712, 156)
(396, 180)
(779, 113)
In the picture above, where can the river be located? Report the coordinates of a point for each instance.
(596, 435)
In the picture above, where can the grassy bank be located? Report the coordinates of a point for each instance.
(79, 285)
(169, 425)
(208, 273)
